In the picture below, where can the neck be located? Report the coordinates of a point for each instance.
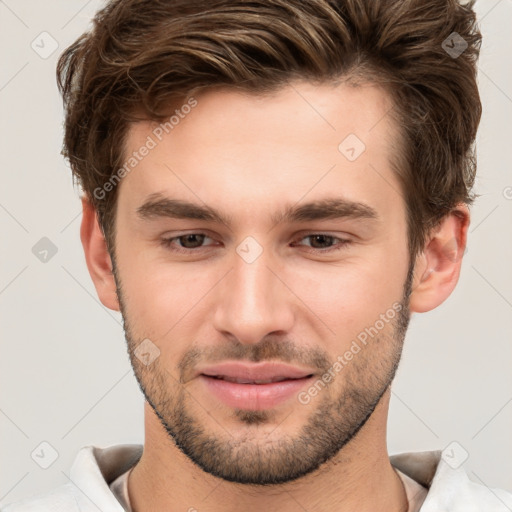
(360, 477)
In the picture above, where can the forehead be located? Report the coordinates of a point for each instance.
(239, 149)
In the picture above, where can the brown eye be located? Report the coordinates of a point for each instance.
(191, 241)
(324, 243)
(187, 244)
(321, 240)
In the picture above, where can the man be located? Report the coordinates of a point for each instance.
(271, 189)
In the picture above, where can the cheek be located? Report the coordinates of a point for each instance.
(163, 297)
(352, 295)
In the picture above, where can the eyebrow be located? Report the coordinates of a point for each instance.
(159, 206)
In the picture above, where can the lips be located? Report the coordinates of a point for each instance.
(249, 381)
(261, 373)
(253, 387)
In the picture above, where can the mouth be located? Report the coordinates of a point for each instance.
(254, 386)
(241, 380)
(252, 393)
(254, 373)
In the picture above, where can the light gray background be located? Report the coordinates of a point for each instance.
(65, 377)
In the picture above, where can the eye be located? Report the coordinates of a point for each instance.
(187, 243)
(319, 241)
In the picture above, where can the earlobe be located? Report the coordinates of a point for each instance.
(437, 269)
(97, 256)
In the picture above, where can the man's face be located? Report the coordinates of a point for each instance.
(260, 287)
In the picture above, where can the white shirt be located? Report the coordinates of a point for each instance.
(96, 469)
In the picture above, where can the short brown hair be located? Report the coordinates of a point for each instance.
(143, 55)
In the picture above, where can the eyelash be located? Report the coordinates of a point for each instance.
(342, 243)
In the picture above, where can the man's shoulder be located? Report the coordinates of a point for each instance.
(449, 486)
(88, 487)
(61, 498)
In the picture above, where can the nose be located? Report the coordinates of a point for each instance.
(253, 301)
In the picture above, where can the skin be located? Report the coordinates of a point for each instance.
(241, 155)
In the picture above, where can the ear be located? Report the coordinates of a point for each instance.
(437, 268)
(97, 256)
